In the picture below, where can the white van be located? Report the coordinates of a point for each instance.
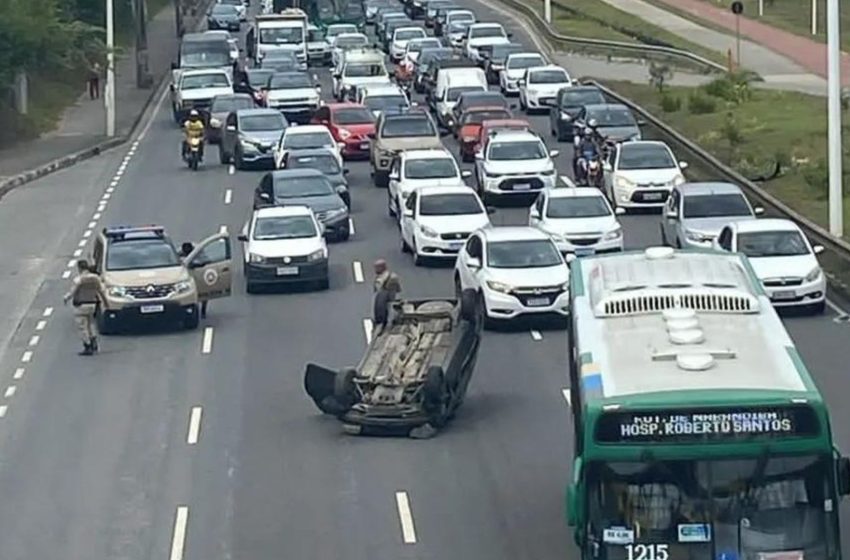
(451, 82)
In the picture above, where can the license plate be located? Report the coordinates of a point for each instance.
(287, 271)
(538, 302)
(455, 246)
(784, 294)
(653, 196)
(152, 309)
(364, 146)
(522, 186)
(584, 252)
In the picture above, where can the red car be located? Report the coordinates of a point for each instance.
(488, 126)
(469, 125)
(350, 124)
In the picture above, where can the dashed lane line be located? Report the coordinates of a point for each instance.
(408, 531)
(48, 311)
(178, 541)
(222, 229)
(194, 425)
(231, 170)
(536, 335)
(228, 196)
(358, 271)
(206, 344)
(34, 340)
(66, 274)
(26, 357)
(10, 392)
(40, 325)
(567, 396)
(3, 410)
(367, 330)
(351, 226)
(19, 373)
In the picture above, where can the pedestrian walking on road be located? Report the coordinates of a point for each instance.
(387, 287)
(185, 250)
(84, 294)
(94, 81)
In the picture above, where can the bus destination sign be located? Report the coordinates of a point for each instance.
(693, 426)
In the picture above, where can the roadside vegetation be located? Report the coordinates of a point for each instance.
(752, 130)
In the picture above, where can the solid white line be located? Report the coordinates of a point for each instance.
(206, 345)
(48, 311)
(3, 410)
(567, 396)
(194, 425)
(34, 340)
(231, 170)
(66, 274)
(228, 196)
(358, 271)
(10, 391)
(27, 357)
(536, 335)
(40, 325)
(152, 117)
(408, 532)
(19, 373)
(178, 541)
(351, 226)
(367, 330)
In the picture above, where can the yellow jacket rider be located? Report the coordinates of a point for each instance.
(193, 127)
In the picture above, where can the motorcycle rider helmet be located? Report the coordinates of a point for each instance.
(592, 124)
(194, 114)
(588, 131)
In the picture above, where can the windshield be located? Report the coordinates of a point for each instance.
(449, 205)
(259, 78)
(290, 81)
(577, 207)
(706, 510)
(284, 227)
(580, 98)
(258, 123)
(442, 168)
(646, 156)
(200, 81)
(453, 93)
(327, 164)
(407, 34)
(305, 140)
(280, 56)
(282, 35)
(416, 46)
(612, 117)
(548, 77)
(353, 115)
(224, 10)
(508, 151)
(364, 70)
(357, 41)
(522, 62)
(459, 17)
(482, 32)
(206, 59)
(531, 253)
(404, 127)
(715, 206)
(499, 53)
(228, 104)
(141, 253)
(772, 244)
(478, 117)
(301, 187)
(381, 102)
(335, 30)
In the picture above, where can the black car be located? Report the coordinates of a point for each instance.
(307, 187)
(437, 7)
(408, 382)
(223, 16)
(426, 58)
(568, 104)
(494, 57)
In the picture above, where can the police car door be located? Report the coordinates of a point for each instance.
(211, 267)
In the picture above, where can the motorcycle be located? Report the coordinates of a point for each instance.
(593, 175)
(192, 157)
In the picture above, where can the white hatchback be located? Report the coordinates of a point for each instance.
(411, 169)
(515, 66)
(540, 85)
(305, 138)
(579, 220)
(641, 174)
(514, 162)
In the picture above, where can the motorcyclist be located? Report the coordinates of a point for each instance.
(586, 149)
(193, 127)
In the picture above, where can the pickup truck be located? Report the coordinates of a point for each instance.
(196, 89)
(414, 374)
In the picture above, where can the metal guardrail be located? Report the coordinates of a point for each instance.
(654, 52)
(836, 257)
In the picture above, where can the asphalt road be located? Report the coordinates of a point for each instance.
(95, 453)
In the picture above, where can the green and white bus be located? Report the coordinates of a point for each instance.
(699, 433)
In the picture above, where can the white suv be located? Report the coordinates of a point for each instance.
(411, 169)
(284, 245)
(579, 220)
(641, 174)
(480, 34)
(515, 66)
(436, 221)
(540, 85)
(513, 162)
(517, 271)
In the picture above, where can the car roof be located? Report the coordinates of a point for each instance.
(411, 28)
(709, 188)
(344, 105)
(307, 129)
(513, 233)
(256, 111)
(233, 96)
(482, 24)
(640, 143)
(431, 153)
(282, 211)
(381, 89)
(508, 123)
(547, 67)
(202, 71)
(574, 192)
(606, 106)
(433, 190)
(517, 135)
(765, 224)
(312, 152)
(282, 174)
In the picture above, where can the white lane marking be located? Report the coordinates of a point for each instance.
(40, 325)
(92, 224)
(194, 425)
(110, 190)
(34, 340)
(82, 243)
(567, 396)
(48, 311)
(206, 345)
(228, 196)
(78, 252)
(152, 117)
(96, 216)
(351, 226)
(367, 330)
(87, 233)
(112, 185)
(3, 410)
(101, 206)
(66, 274)
(222, 229)
(567, 181)
(842, 315)
(178, 541)
(536, 335)
(19, 373)
(408, 532)
(10, 391)
(27, 357)
(231, 170)
(358, 271)
(71, 263)
(106, 196)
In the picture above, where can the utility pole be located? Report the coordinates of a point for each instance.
(547, 10)
(109, 90)
(178, 17)
(143, 77)
(836, 195)
(815, 16)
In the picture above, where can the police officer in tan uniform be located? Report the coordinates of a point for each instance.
(387, 286)
(84, 294)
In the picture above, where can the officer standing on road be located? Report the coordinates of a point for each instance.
(387, 287)
(185, 250)
(84, 294)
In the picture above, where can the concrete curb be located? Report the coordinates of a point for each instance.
(58, 164)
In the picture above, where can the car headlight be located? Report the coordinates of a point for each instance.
(183, 286)
(565, 116)
(814, 274)
(343, 134)
(499, 287)
(625, 183)
(548, 172)
(336, 213)
(469, 139)
(491, 174)
(117, 291)
(698, 237)
(318, 255)
(249, 145)
(613, 234)
(428, 232)
(255, 258)
(678, 180)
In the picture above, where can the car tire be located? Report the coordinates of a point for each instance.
(237, 160)
(481, 310)
(344, 235)
(468, 303)
(323, 284)
(104, 325)
(818, 308)
(405, 248)
(434, 395)
(250, 288)
(417, 259)
(192, 322)
(222, 155)
(663, 235)
(390, 212)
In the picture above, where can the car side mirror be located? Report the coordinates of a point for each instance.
(231, 128)
(445, 132)
(465, 174)
(479, 155)
(554, 153)
(641, 122)
(758, 210)
(394, 176)
(514, 106)
(818, 249)
(683, 165)
(491, 210)
(620, 211)
(265, 196)
(473, 262)
(408, 213)
(242, 237)
(345, 171)
(510, 34)
(174, 66)
(534, 214)
(842, 475)
(671, 215)
(371, 135)
(521, 82)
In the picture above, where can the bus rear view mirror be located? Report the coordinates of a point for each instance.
(843, 476)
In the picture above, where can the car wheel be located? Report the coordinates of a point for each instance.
(818, 308)
(390, 212)
(222, 155)
(192, 322)
(104, 325)
(250, 288)
(663, 235)
(417, 259)
(343, 235)
(238, 163)
(483, 318)
(345, 391)
(324, 284)
(405, 248)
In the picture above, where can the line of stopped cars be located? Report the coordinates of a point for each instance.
(475, 83)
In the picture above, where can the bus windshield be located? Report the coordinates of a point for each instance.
(709, 509)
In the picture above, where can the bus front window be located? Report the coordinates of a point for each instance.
(742, 509)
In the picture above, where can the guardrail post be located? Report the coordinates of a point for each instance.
(836, 195)
(22, 93)
(547, 10)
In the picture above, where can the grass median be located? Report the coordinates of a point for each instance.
(752, 130)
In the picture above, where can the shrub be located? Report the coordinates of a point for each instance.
(670, 103)
(731, 132)
(734, 88)
(699, 104)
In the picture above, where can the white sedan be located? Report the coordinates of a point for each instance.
(782, 258)
(436, 221)
(641, 174)
(305, 138)
(579, 220)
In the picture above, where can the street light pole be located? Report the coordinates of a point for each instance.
(109, 90)
(547, 10)
(815, 16)
(836, 197)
